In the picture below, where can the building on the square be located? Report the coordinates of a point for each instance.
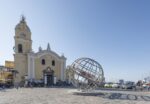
(9, 65)
(43, 65)
(6, 73)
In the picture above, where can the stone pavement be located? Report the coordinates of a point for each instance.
(71, 96)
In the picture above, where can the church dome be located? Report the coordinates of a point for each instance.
(22, 25)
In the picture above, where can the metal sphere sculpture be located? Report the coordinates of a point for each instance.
(87, 73)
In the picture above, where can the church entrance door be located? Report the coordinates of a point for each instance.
(48, 77)
(50, 80)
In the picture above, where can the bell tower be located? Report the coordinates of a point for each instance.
(23, 46)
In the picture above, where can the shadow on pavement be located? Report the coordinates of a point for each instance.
(114, 96)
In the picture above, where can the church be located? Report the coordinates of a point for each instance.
(45, 65)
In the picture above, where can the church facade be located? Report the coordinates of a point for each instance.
(45, 65)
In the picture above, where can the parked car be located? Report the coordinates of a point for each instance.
(108, 85)
(115, 85)
(146, 86)
(129, 85)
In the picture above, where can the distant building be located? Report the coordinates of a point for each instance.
(6, 75)
(121, 81)
(9, 65)
(43, 65)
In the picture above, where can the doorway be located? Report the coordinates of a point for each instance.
(50, 80)
(48, 77)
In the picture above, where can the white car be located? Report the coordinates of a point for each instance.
(115, 85)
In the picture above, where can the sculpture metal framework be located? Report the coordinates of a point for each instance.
(86, 73)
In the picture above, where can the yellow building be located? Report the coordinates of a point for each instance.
(6, 77)
(44, 64)
(9, 64)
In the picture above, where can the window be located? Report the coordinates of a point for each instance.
(43, 61)
(53, 63)
(20, 48)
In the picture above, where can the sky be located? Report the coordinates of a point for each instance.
(115, 33)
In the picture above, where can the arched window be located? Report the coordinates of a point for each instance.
(53, 63)
(43, 62)
(20, 48)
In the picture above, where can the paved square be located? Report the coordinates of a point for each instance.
(71, 96)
